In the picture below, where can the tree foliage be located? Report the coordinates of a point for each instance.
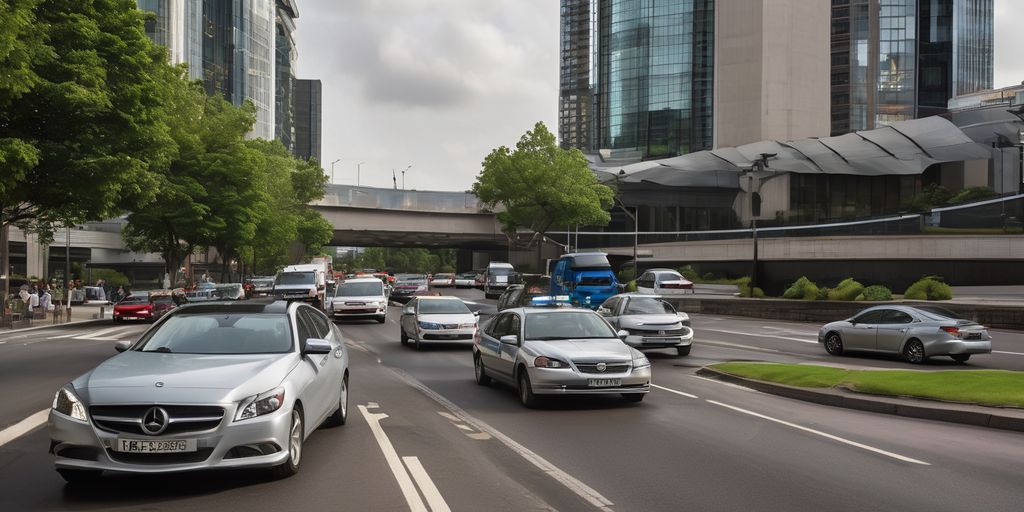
(539, 185)
(415, 260)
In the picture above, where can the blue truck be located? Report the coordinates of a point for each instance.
(586, 277)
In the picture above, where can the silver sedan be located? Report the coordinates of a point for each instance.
(208, 386)
(916, 333)
(650, 321)
(557, 351)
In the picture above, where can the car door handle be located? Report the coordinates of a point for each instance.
(903, 330)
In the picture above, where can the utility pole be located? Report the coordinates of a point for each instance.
(759, 166)
(403, 176)
(332, 170)
(635, 217)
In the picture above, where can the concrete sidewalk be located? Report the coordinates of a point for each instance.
(79, 314)
(977, 415)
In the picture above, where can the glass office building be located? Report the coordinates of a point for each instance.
(177, 25)
(574, 94)
(284, 83)
(894, 60)
(654, 75)
(308, 104)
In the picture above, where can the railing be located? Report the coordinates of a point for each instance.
(1004, 213)
(407, 200)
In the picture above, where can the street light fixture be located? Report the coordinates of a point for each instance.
(759, 166)
(403, 176)
(332, 170)
(636, 224)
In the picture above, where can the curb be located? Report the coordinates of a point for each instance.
(51, 326)
(909, 410)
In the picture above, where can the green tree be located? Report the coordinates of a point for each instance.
(81, 130)
(538, 185)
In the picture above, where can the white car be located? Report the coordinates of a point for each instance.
(442, 281)
(437, 319)
(362, 297)
(465, 280)
(663, 281)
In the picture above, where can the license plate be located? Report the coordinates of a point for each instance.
(147, 446)
(605, 383)
(500, 279)
(973, 335)
(355, 303)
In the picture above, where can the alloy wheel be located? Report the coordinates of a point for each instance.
(295, 439)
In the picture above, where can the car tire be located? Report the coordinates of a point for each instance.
(79, 476)
(404, 338)
(634, 397)
(684, 351)
(381, 319)
(834, 344)
(960, 358)
(913, 352)
(340, 416)
(480, 373)
(117, 320)
(295, 437)
(416, 344)
(525, 389)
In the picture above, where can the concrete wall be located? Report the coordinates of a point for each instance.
(772, 62)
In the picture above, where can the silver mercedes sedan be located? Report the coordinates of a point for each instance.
(916, 333)
(557, 351)
(209, 386)
(650, 321)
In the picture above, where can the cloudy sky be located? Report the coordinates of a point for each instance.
(436, 84)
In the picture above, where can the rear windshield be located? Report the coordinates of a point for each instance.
(566, 325)
(359, 290)
(261, 283)
(595, 280)
(291, 278)
(411, 280)
(590, 261)
(649, 306)
(135, 299)
(166, 299)
(223, 333)
(441, 307)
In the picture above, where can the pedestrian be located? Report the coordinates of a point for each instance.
(119, 294)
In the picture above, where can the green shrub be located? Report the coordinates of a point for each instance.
(823, 293)
(875, 293)
(689, 273)
(929, 288)
(972, 194)
(708, 276)
(631, 286)
(112, 277)
(847, 289)
(745, 291)
(802, 289)
(627, 274)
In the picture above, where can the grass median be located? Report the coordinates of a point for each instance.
(996, 388)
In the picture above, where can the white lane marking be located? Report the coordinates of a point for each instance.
(728, 384)
(759, 335)
(463, 427)
(737, 346)
(72, 335)
(1008, 353)
(426, 485)
(823, 434)
(23, 427)
(106, 335)
(680, 393)
(105, 332)
(449, 416)
(412, 498)
(479, 436)
(573, 484)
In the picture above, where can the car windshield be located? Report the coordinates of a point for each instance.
(230, 291)
(223, 333)
(500, 271)
(566, 325)
(135, 299)
(262, 283)
(648, 306)
(443, 307)
(411, 280)
(291, 278)
(590, 261)
(585, 280)
(359, 290)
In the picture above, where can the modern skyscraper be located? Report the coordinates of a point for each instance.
(574, 95)
(307, 118)
(285, 55)
(177, 25)
(895, 60)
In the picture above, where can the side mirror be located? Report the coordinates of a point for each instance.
(317, 346)
(622, 334)
(122, 345)
(476, 313)
(509, 339)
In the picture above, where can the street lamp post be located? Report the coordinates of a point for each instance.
(759, 166)
(359, 168)
(635, 216)
(403, 176)
(332, 170)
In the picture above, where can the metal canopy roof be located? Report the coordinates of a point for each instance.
(903, 148)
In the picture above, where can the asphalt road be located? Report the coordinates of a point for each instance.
(692, 444)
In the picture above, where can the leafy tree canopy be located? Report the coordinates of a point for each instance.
(538, 185)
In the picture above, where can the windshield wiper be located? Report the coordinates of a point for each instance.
(162, 349)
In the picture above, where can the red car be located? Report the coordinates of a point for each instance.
(135, 306)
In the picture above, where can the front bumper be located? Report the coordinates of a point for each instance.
(653, 339)
(552, 381)
(359, 311)
(447, 335)
(138, 315)
(78, 445)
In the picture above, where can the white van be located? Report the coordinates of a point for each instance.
(497, 277)
(302, 282)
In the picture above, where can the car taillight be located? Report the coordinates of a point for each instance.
(954, 331)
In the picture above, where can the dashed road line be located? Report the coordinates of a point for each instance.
(680, 393)
(23, 427)
(457, 422)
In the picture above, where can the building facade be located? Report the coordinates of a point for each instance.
(308, 101)
(177, 25)
(894, 60)
(574, 94)
(286, 54)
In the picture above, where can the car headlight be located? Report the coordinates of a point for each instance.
(66, 403)
(549, 362)
(429, 326)
(258, 405)
(640, 361)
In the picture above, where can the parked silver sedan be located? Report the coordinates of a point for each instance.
(650, 321)
(916, 333)
(209, 386)
(557, 351)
